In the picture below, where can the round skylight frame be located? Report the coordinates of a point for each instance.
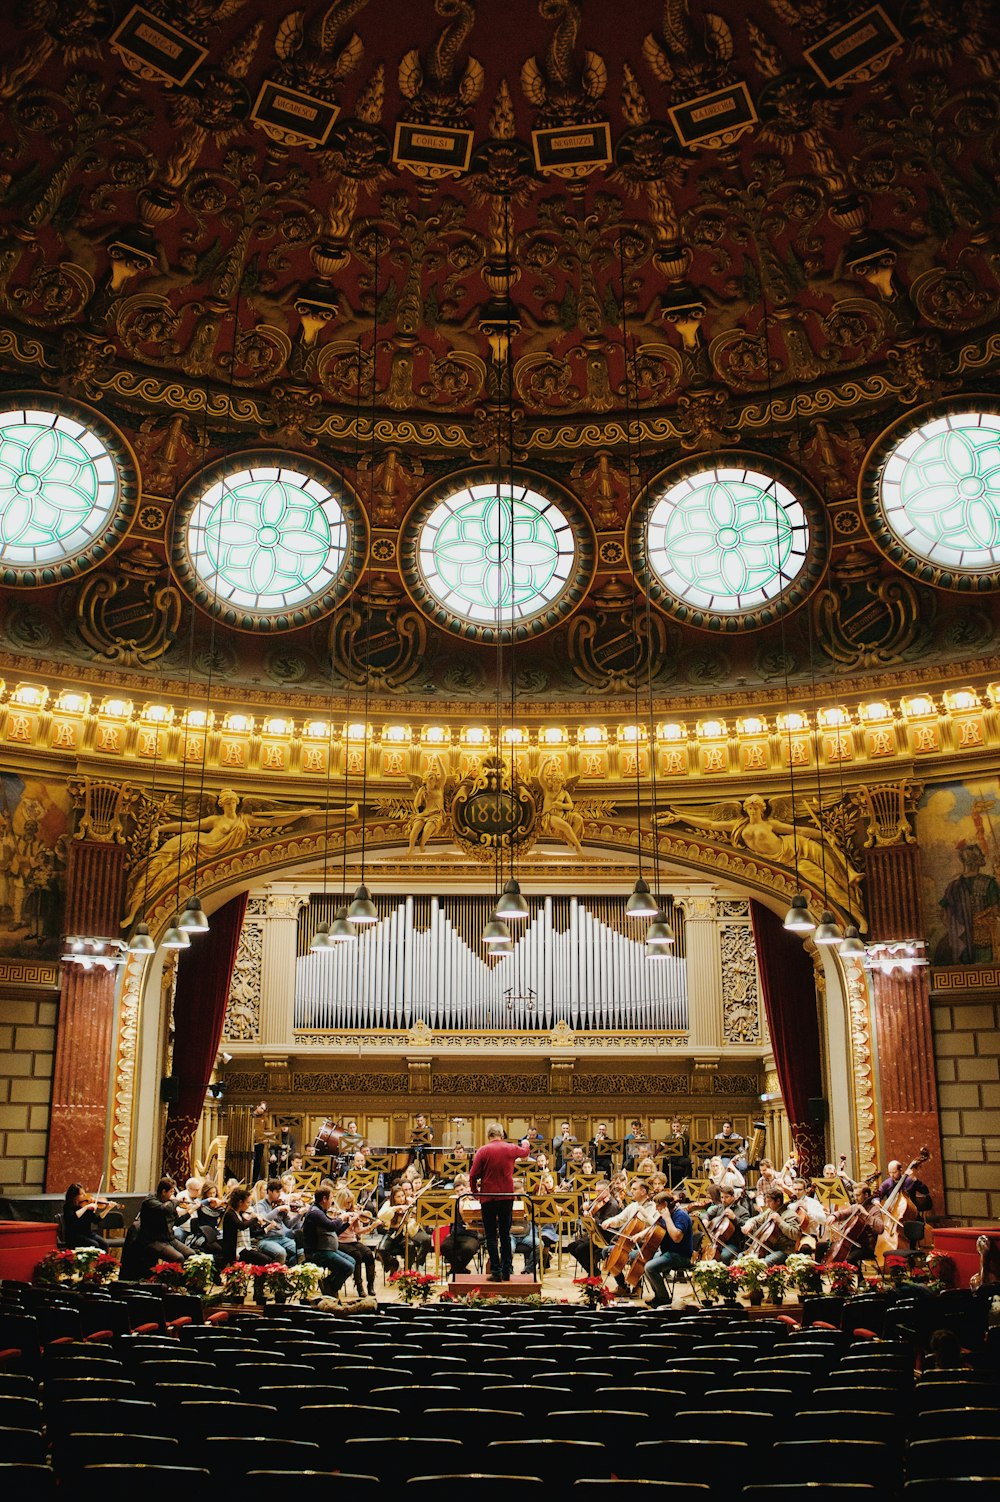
(445, 557)
(79, 457)
(240, 493)
(771, 503)
(909, 516)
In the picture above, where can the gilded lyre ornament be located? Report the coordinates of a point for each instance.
(379, 635)
(868, 616)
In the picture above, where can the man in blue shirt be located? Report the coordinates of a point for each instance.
(676, 1255)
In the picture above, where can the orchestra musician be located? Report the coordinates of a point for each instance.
(679, 1167)
(731, 1147)
(421, 1138)
(641, 1207)
(731, 1211)
(601, 1149)
(644, 1163)
(675, 1252)
(725, 1175)
(158, 1217)
(633, 1137)
(589, 1247)
(914, 1189)
(462, 1243)
(80, 1215)
(405, 1238)
(350, 1242)
(811, 1216)
(563, 1140)
(774, 1232)
(861, 1222)
(272, 1217)
(321, 1244)
(575, 1162)
(768, 1179)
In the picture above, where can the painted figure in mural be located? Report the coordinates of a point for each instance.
(428, 816)
(558, 815)
(216, 835)
(971, 908)
(780, 842)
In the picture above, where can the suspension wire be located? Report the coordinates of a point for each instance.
(631, 502)
(513, 582)
(349, 641)
(366, 597)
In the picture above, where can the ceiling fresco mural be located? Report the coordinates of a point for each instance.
(402, 244)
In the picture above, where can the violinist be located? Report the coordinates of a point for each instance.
(725, 1175)
(590, 1246)
(350, 1241)
(158, 1216)
(767, 1179)
(80, 1215)
(675, 1255)
(774, 1232)
(272, 1216)
(206, 1222)
(320, 1232)
(404, 1239)
(463, 1241)
(724, 1223)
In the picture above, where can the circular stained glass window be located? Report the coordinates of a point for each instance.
(936, 500)
(483, 558)
(67, 490)
(728, 546)
(268, 541)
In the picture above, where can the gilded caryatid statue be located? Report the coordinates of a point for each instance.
(428, 816)
(819, 859)
(558, 817)
(238, 823)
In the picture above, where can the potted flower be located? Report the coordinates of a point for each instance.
(775, 1282)
(272, 1280)
(168, 1275)
(199, 1274)
(750, 1272)
(413, 1288)
(842, 1278)
(804, 1273)
(711, 1280)
(593, 1292)
(236, 1280)
(304, 1279)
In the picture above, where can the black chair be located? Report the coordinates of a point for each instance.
(59, 1389)
(477, 1484)
(843, 1459)
(955, 1393)
(24, 1479)
(959, 1455)
(361, 1420)
(98, 1416)
(673, 1491)
(226, 1455)
(689, 1459)
(395, 1459)
(247, 1420)
(151, 1481)
(945, 1423)
(554, 1461)
(24, 1446)
(74, 1451)
(825, 1491)
(932, 1489)
(412, 1399)
(818, 1424)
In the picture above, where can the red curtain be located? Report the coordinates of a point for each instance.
(203, 980)
(787, 978)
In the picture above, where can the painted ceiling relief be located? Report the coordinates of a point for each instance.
(406, 238)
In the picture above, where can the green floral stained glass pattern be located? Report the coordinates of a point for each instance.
(267, 540)
(727, 540)
(940, 491)
(488, 558)
(58, 488)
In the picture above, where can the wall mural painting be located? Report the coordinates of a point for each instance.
(958, 827)
(34, 819)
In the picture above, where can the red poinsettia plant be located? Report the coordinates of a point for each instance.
(593, 1292)
(412, 1287)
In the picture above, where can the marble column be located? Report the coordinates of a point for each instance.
(903, 1030)
(278, 954)
(704, 974)
(85, 1034)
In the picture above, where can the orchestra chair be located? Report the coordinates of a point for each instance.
(394, 1458)
(225, 1455)
(20, 1478)
(362, 1420)
(958, 1455)
(555, 1461)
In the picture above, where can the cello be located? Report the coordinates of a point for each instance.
(627, 1239)
(896, 1208)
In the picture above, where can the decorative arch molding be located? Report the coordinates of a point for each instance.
(145, 987)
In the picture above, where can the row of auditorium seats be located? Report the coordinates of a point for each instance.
(554, 1396)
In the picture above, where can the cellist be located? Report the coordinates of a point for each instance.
(855, 1228)
(724, 1223)
(774, 1232)
(641, 1210)
(675, 1255)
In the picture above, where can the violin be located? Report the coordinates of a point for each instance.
(99, 1204)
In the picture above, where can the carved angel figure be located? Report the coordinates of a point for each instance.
(210, 837)
(558, 816)
(428, 817)
(778, 841)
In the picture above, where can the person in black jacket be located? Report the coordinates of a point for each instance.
(157, 1219)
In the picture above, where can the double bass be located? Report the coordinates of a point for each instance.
(897, 1208)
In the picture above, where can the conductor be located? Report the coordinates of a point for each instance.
(491, 1179)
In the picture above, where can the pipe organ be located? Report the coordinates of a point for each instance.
(573, 961)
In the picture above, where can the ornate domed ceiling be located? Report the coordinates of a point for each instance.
(605, 249)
